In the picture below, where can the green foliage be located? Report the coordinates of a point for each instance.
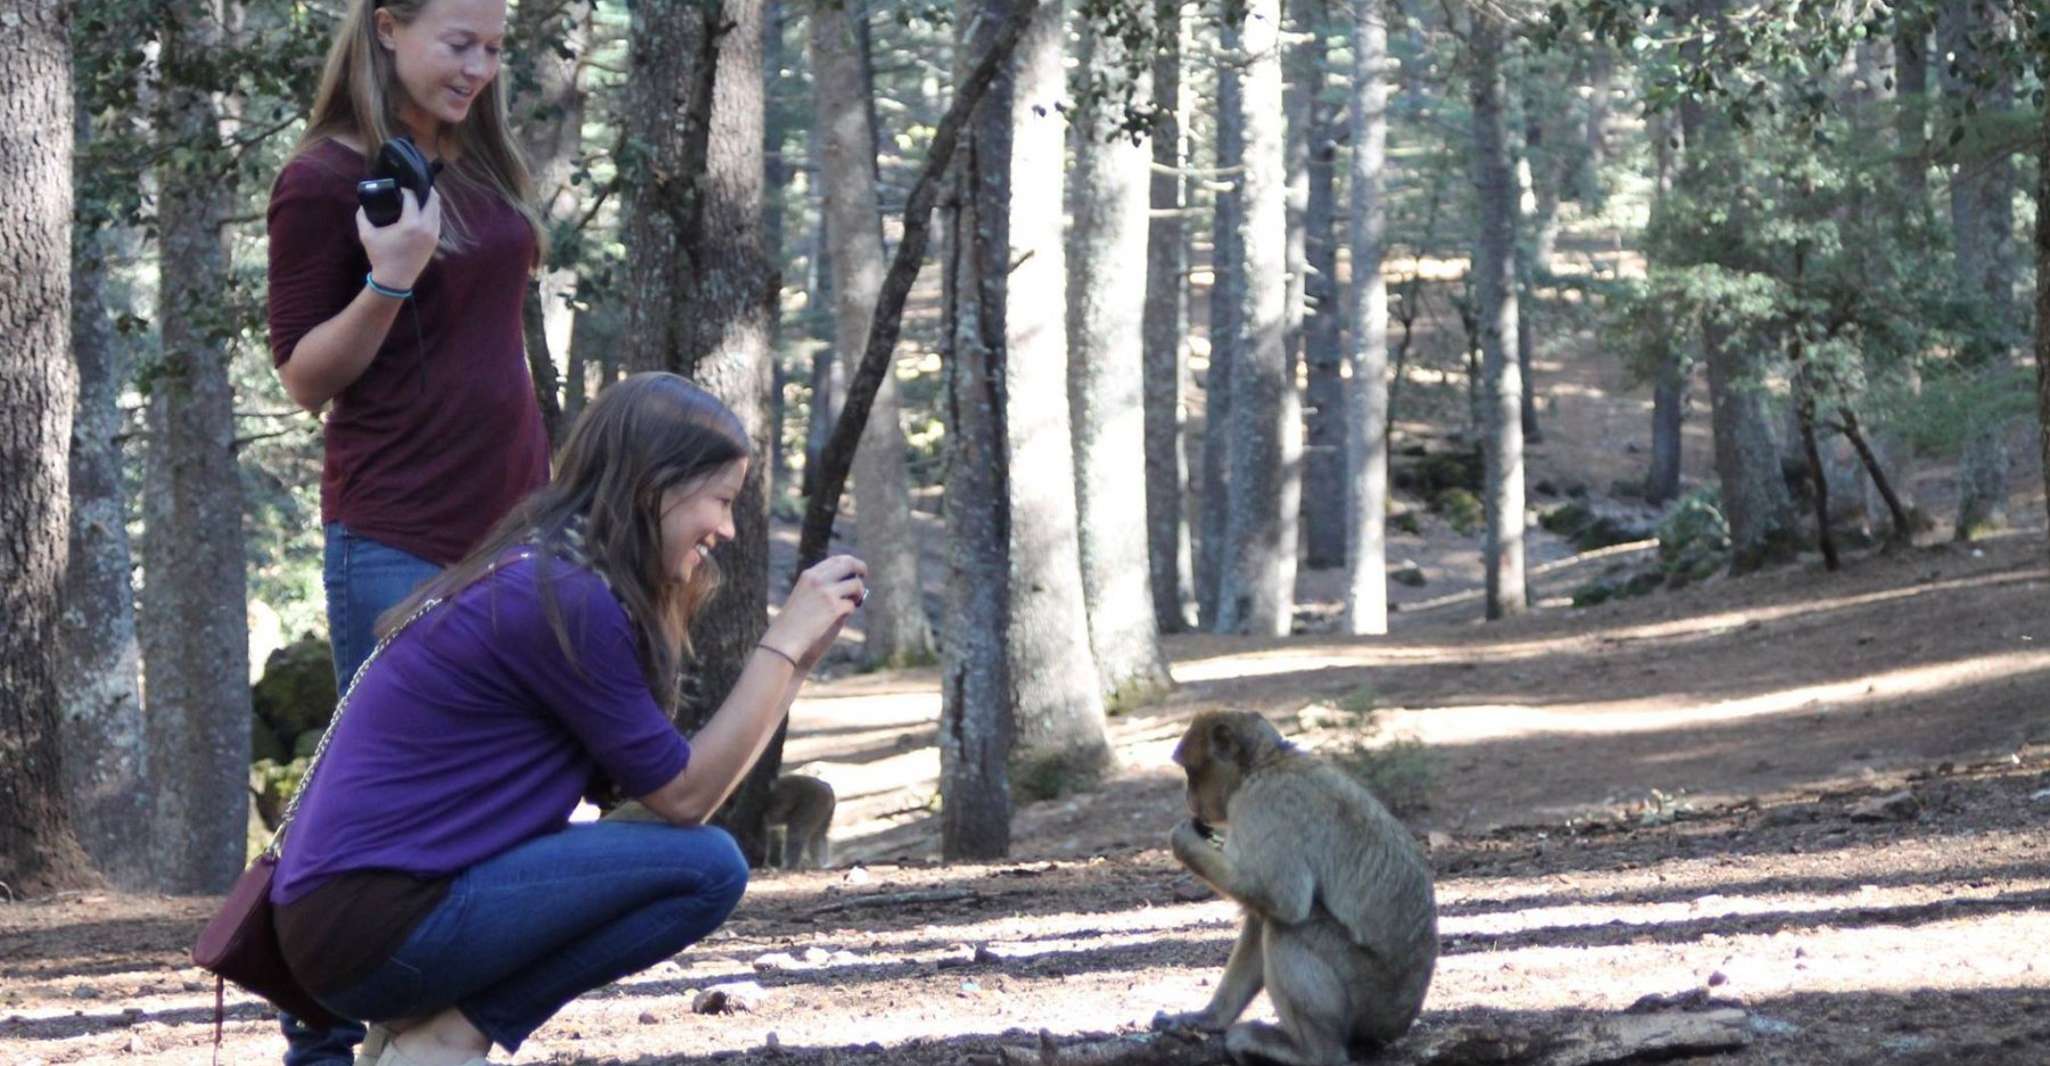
(1694, 537)
(1462, 510)
(1400, 772)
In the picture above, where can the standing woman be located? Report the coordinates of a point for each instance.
(408, 334)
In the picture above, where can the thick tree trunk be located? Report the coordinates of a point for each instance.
(1982, 223)
(775, 179)
(105, 735)
(1367, 399)
(1106, 309)
(2043, 293)
(38, 851)
(668, 114)
(894, 615)
(726, 350)
(1258, 594)
(1227, 337)
(1324, 404)
(1495, 271)
(195, 631)
(1169, 561)
(1669, 382)
(1060, 714)
(1911, 115)
(976, 702)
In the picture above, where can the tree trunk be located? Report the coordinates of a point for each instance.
(1060, 714)
(1258, 593)
(894, 615)
(1911, 114)
(1167, 475)
(195, 631)
(1227, 338)
(2043, 293)
(1754, 492)
(548, 112)
(668, 113)
(726, 350)
(1106, 309)
(976, 716)
(1982, 221)
(1495, 271)
(775, 180)
(1367, 400)
(38, 851)
(1324, 405)
(105, 737)
(1669, 382)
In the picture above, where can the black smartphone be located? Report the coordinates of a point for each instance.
(380, 200)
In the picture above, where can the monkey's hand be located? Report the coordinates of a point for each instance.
(1199, 1020)
(1197, 850)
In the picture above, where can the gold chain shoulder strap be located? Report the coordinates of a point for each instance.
(292, 808)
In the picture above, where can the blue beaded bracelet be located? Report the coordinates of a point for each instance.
(381, 290)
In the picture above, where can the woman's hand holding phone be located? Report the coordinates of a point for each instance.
(401, 251)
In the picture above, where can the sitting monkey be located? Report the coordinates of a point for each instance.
(800, 809)
(1341, 923)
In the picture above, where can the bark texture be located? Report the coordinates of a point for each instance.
(195, 630)
(976, 712)
(38, 851)
(1169, 559)
(894, 614)
(1106, 312)
(1060, 714)
(1495, 266)
(1367, 400)
(106, 740)
(1258, 594)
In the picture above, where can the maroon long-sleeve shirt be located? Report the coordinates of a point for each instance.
(441, 436)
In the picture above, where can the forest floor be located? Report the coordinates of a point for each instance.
(1672, 795)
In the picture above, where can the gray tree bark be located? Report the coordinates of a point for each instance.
(726, 350)
(1060, 713)
(1227, 338)
(1169, 559)
(1258, 594)
(1366, 441)
(1106, 309)
(1982, 224)
(39, 853)
(977, 701)
(1324, 402)
(195, 631)
(668, 115)
(2043, 300)
(548, 112)
(894, 614)
(1669, 382)
(1495, 268)
(105, 735)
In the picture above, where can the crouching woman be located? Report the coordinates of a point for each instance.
(431, 881)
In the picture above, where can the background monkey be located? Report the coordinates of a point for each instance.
(799, 812)
(1341, 922)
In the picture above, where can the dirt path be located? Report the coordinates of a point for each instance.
(1648, 797)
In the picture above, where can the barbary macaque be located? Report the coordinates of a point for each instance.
(1341, 922)
(799, 812)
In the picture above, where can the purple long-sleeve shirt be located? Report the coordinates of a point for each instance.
(473, 732)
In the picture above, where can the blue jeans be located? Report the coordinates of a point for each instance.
(363, 580)
(521, 934)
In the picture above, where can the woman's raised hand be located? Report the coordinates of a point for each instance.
(400, 251)
(817, 608)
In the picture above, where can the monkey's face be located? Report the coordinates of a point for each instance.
(1212, 754)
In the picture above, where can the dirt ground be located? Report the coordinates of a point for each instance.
(1657, 796)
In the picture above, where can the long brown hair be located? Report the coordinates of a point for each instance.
(640, 438)
(359, 98)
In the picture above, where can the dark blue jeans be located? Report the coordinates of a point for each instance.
(363, 580)
(521, 934)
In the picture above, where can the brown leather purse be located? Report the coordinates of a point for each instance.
(240, 944)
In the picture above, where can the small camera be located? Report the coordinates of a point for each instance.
(400, 166)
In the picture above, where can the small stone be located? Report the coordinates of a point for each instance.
(85, 992)
(1718, 979)
(194, 986)
(1409, 573)
(1897, 807)
(776, 961)
(1437, 840)
(772, 1043)
(648, 1018)
(857, 876)
(140, 1045)
(728, 998)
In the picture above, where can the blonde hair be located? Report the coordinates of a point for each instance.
(359, 97)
